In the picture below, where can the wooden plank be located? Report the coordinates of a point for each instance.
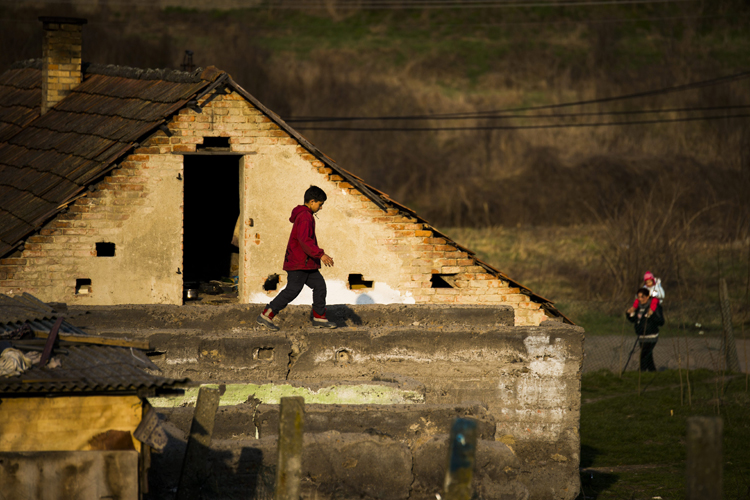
(193, 483)
(65, 423)
(92, 339)
(289, 467)
(704, 458)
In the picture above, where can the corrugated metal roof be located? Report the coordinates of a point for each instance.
(91, 369)
(16, 310)
(46, 160)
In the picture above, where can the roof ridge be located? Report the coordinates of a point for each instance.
(28, 63)
(169, 75)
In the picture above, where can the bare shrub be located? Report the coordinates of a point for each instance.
(648, 233)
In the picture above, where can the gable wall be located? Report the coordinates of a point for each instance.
(139, 208)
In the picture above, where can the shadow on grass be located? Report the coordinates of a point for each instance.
(593, 482)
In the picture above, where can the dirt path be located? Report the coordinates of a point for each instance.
(611, 352)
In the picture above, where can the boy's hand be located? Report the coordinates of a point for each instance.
(631, 310)
(327, 260)
(649, 313)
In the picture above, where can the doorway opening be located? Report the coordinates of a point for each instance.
(211, 209)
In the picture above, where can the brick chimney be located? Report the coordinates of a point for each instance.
(61, 58)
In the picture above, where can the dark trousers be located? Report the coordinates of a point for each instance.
(647, 356)
(297, 280)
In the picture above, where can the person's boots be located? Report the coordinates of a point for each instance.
(320, 321)
(266, 319)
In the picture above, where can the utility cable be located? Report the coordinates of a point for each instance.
(478, 114)
(524, 127)
(475, 4)
(550, 115)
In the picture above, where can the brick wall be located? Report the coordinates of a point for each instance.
(139, 208)
(61, 59)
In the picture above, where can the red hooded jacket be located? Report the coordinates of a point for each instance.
(302, 251)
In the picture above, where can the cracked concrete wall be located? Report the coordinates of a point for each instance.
(527, 378)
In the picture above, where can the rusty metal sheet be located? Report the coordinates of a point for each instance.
(91, 368)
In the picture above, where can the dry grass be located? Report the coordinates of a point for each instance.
(569, 265)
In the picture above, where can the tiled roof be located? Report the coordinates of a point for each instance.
(17, 310)
(47, 160)
(91, 369)
(21, 88)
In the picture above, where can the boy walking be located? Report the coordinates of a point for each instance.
(302, 263)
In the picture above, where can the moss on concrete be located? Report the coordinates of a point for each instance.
(272, 393)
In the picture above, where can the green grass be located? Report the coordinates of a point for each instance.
(636, 442)
(470, 43)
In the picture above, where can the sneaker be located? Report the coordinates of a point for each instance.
(320, 321)
(266, 319)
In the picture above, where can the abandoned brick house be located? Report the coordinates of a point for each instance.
(120, 185)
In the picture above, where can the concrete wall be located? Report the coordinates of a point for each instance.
(527, 378)
(139, 207)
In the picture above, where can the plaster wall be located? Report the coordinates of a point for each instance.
(274, 184)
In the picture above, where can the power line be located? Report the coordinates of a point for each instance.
(478, 114)
(525, 127)
(613, 20)
(452, 4)
(550, 115)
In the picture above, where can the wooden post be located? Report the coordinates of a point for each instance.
(704, 460)
(728, 347)
(461, 453)
(193, 474)
(289, 467)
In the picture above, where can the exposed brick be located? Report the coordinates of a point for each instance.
(147, 151)
(40, 239)
(14, 261)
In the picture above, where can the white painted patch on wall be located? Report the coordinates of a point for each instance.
(544, 358)
(534, 391)
(338, 293)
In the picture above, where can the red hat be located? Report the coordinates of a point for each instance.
(648, 276)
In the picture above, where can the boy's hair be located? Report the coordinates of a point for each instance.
(314, 193)
(643, 291)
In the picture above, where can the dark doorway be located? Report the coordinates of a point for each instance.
(211, 208)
